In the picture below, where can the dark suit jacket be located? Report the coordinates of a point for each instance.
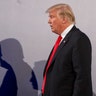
(9, 84)
(70, 71)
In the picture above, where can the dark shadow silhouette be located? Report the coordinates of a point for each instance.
(8, 86)
(38, 69)
(13, 54)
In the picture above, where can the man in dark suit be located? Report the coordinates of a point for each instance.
(8, 86)
(68, 73)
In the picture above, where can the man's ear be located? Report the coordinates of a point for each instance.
(64, 20)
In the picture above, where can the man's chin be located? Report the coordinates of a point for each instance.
(54, 32)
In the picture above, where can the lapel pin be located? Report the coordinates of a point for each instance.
(64, 41)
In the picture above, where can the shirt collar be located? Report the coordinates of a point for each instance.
(64, 33)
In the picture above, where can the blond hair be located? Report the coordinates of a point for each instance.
(63, 10)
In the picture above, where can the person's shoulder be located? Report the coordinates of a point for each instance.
(79, 36)
(4, 64)
(80, 33)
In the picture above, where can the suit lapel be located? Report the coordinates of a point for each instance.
(63, 43)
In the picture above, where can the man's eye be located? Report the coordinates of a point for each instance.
(51, 16)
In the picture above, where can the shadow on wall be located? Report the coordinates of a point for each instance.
(38, 69)
(13, 54)
(94, 94)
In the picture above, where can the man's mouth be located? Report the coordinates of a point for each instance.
(51, 26)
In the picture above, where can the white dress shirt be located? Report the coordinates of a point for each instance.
(3, 72)
(65, 32)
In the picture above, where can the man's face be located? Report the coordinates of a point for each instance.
(55, 22)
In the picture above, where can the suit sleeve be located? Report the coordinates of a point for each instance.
(81, 58)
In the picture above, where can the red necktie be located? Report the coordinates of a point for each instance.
(49, 62)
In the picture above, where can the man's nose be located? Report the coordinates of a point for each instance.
(49, 21)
